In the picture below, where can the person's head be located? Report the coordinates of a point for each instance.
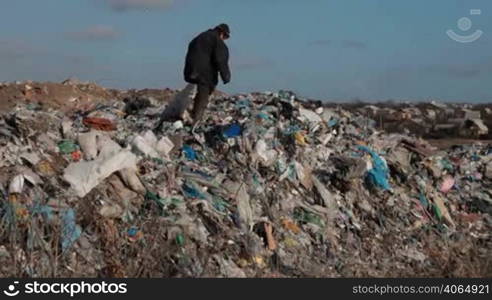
(224, 31)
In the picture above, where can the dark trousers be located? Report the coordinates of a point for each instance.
(201, 101)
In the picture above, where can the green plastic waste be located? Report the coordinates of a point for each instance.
(447, 165)
(67, 146)
(303, 216)
(180, 239)
(438, 212)
(163, 203)
(220, 205)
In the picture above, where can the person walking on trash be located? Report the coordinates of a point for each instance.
(207, 56)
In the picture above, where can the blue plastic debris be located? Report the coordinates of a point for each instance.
(189, 152)
(263, 116)
(70, 230)
(423, 200)
(220, 205)
(243, 104)
(203, 174)
(191, 192)
(7, 211)
(332, 122)
(356, 154)
(44, 210)
(292, 130)
(132, 231)
(232, 130)
(379, 174)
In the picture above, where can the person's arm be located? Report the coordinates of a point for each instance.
(222, 61)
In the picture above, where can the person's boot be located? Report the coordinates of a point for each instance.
(197, 116)
(187, 119)
(195, 126)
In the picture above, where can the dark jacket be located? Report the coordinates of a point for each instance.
(207, 56)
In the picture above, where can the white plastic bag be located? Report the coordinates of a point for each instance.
(177, 107)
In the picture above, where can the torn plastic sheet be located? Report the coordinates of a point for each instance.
(16, 185)
(191, 191)
(267, 156)
(189, 152)
(242, 197)
(84, 176)
(310, 116)
(144, 146)
(332, 123)
(70, 230)
(379, 174)
(44, 210)
(232, 131)
(88, 144)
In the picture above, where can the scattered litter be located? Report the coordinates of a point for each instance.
(189, 152)
(67, 147)
(447, 184)
(16, 185)
(268, 183)
(70, 230)
(99, 124)
(232, 131)
(84, 176)
(378, 174)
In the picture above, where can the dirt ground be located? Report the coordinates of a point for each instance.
(71, 94)
(49, 94)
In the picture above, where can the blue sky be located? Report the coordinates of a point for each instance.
(325, 49)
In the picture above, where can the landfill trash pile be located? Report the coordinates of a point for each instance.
(268, 186)
(430, 120)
